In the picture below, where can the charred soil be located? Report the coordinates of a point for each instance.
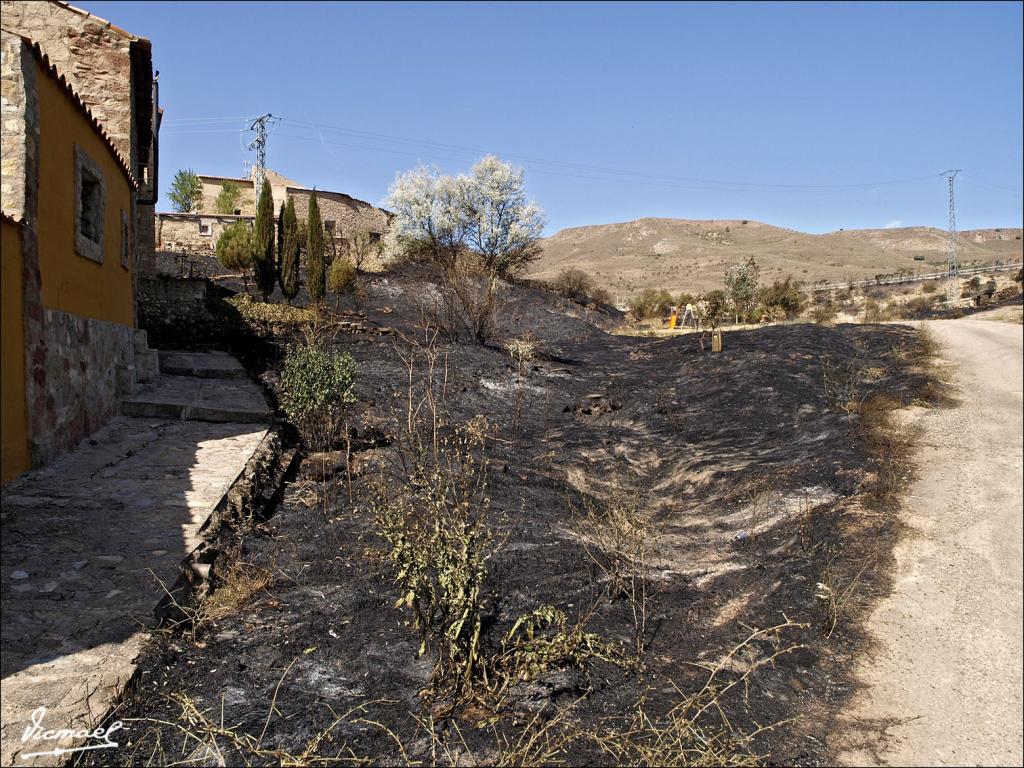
(767, 497)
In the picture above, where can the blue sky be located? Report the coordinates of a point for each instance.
(809, 116)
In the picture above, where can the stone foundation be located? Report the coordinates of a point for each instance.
(73, 389)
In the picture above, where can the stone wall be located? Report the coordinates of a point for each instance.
(179, 232)
(348, 214)
(212, 187)
(184, 313)
(17, 86)
(92, 54)
(145, 239)
(79, 389)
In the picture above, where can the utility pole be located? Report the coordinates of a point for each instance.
(952, 268)
(260, 145)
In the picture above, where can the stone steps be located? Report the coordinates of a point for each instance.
(200, 386)
(204, 365)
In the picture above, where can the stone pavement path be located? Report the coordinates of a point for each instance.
(84, 541)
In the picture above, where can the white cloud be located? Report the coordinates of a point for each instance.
(894, 224)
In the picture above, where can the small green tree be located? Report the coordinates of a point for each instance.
(712, 309)
(186, 193)
(235, 250)
(316, 386)
(741, 280)
(227, 198)
(289, 251)
(315, 251)
(263, 232)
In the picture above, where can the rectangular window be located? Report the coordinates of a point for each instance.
(90, 202)
(205, 228)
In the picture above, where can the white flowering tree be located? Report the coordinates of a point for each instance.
(478, 228)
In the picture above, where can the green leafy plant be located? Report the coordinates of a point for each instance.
(741, 281)
(542, 640)
(316, 386)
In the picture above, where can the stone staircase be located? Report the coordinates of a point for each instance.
(198, 386)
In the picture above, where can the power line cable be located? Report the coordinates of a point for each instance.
(601, 169)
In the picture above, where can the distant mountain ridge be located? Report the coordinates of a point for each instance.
(692, 255)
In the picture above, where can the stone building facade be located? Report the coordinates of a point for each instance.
(245, 202)
(69, 343)
(193, 233)
(342, 215)
(111, 70)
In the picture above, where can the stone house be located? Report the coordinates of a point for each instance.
(198, 232)
(111, 70)
(70, 351)
(245, 202)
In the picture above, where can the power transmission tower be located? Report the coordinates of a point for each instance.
(952, 268)
(260, 145)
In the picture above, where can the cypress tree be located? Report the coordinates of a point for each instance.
(289, 252)
(315, 269)
(264, 234)
(280, 242)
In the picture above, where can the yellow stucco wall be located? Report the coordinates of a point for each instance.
(70, 282)
(14, 458)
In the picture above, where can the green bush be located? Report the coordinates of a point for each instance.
(786, 295)
(651, 303)
(235, 248)
(342, 276)
(316, 385)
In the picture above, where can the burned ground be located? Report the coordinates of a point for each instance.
(752, 466)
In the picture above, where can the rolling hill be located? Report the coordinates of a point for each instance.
(680, 254)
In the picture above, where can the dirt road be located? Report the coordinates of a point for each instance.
(944, 687)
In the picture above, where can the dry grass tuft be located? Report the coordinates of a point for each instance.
(242, 582)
